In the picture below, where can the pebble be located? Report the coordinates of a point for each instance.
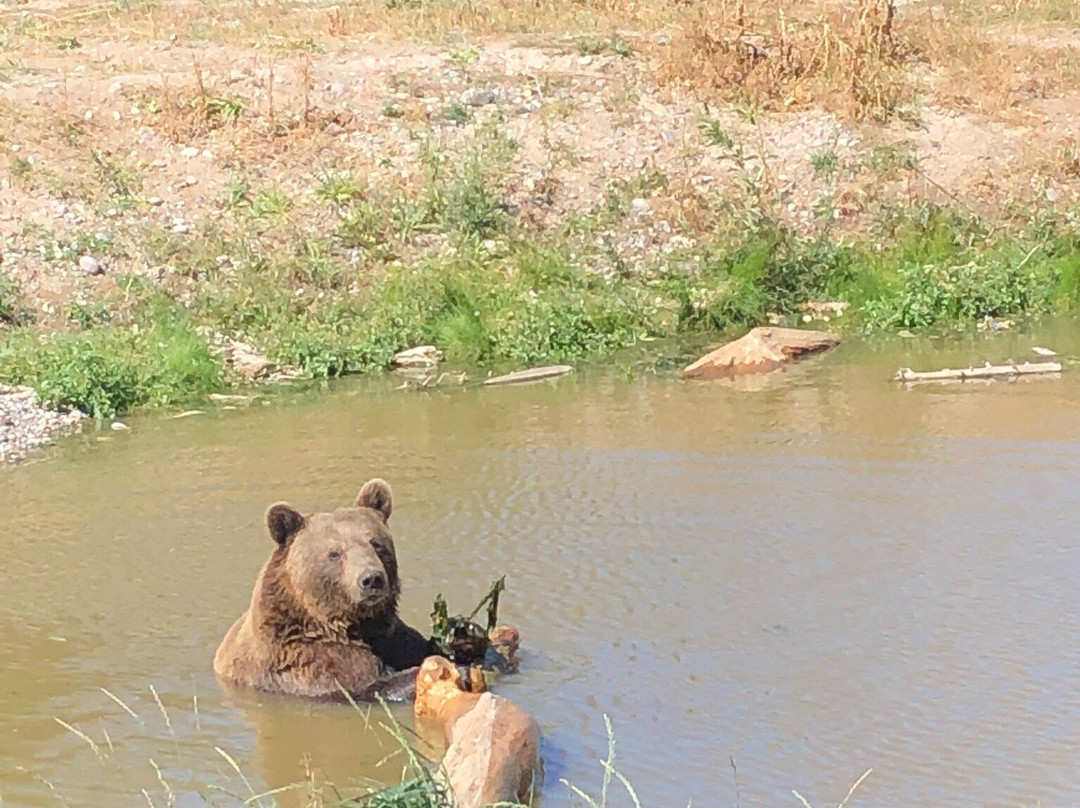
(90, 265)
(25, 424)
(189, 151)
(480, 98)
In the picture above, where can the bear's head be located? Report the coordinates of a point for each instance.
(340, 568)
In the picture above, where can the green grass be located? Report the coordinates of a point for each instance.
(13, 310)
(374, 270)
(155, 359)
(523, 303)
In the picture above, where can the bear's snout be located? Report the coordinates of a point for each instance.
(372, 583)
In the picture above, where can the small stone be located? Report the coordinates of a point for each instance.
(207, 154)
(640, 206)
(480, 98)
(155, 201)
(189, 151)
(189, 181)
(117, 426)
(90, 265)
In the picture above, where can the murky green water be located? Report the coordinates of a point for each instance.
(813, 574)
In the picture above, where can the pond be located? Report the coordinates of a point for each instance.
(768, 587)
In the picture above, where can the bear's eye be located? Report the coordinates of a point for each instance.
(334, 555)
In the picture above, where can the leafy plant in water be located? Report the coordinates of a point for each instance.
(460, 638)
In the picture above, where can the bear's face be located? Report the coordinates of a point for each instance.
(340, 566)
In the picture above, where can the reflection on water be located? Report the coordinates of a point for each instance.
(813, 574)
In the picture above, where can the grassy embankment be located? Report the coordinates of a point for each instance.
(330, 272)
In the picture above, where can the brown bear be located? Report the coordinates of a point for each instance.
(323, 619)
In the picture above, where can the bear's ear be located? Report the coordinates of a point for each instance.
(376, 495)
(284, 522)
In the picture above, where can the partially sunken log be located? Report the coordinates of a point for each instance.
(988, 371)
(530, 375)
(761, 350)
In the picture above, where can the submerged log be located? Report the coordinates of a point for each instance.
(988, 371)
(492, 745)
(530, 375)
(759, 351)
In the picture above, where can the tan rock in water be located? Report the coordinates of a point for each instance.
(441, 694)
(493, 746)
(759, 351)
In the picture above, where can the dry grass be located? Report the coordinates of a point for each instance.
(847, 59)
(861, 58)
(991, 58)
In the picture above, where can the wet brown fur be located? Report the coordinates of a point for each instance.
(302, 635)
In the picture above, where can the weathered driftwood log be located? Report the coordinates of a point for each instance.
(492, 745)
(530, 375)
(759, 351)
(987, 371)
(422, 356)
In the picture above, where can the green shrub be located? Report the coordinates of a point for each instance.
(158, 360)
(13, 310)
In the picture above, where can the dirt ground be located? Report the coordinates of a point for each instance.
(121, 123)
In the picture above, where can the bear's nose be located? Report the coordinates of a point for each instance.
(373, 581)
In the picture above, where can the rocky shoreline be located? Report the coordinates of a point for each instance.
(25, 424)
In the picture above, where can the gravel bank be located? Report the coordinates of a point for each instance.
(25, 424)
